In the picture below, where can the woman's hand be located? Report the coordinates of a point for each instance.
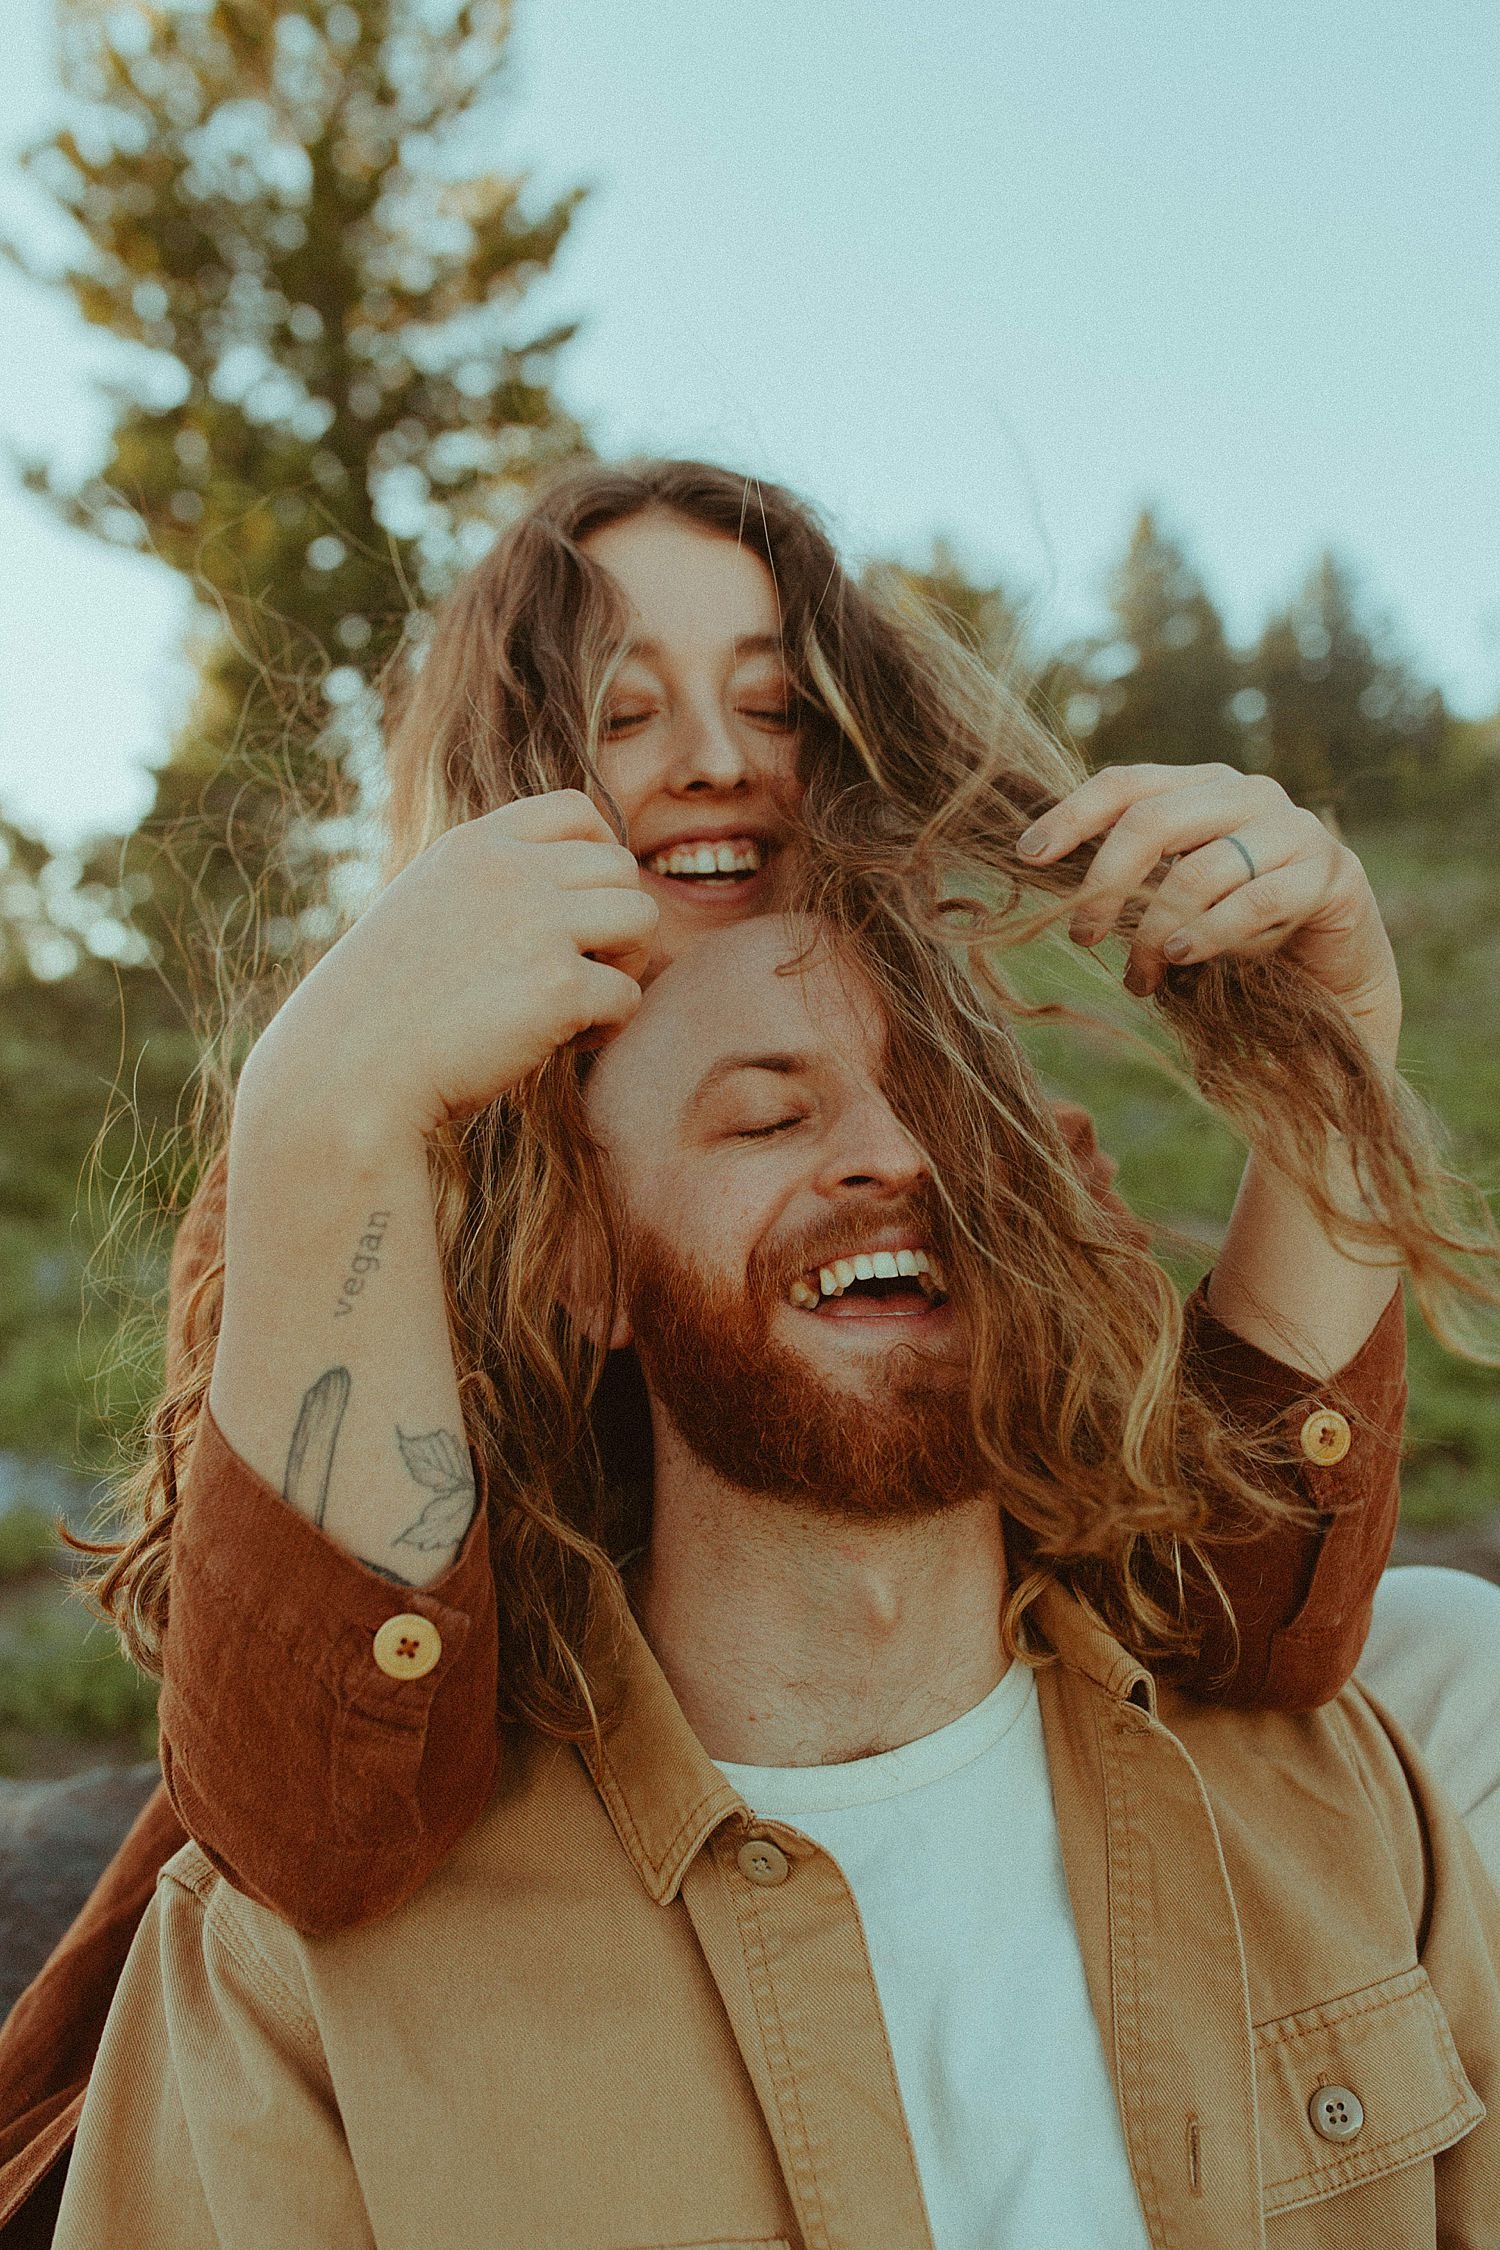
(1247, 871)
(510, 935)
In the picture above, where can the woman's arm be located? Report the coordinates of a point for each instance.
(319, 1784)
(328, 1706)
(1247, 871)
(1289, 1335)
(1299, 1596)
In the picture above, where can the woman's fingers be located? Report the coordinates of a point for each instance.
(1164, 825)
(1258, 917)
(618, 924)
(1096, 804)
(557, 816)
(608, 998)
(577, 866)
(1199, 879)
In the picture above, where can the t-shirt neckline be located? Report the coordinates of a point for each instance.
(792, 1790)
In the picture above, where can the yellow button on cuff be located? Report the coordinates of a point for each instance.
(1325, 1437)
(408, 1646)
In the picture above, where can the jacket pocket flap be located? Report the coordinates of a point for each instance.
(1389, 2047)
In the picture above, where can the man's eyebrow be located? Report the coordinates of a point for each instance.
(780, 1065)
(745, 644)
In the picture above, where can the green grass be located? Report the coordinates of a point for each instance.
(64, 1684)
(28, 1540)
(67, 1693)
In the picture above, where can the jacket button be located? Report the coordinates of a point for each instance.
(1325, 1437)
(761, 1861)
(407, 1646)
(1336, 2113)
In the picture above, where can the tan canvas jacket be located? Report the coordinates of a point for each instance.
(625, 2015)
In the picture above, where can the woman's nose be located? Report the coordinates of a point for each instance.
(705, 753)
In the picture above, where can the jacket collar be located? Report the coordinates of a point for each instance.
(660, 1787)
(664, 1794)
(1083, 1645)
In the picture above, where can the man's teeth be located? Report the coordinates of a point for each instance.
(867, 1265)
(742, 855)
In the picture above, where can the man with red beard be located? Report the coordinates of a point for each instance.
(859, 1931)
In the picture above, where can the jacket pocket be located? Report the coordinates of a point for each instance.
(1390, 2048)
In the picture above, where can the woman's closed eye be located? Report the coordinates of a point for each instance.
(623, 722)
(779, 717)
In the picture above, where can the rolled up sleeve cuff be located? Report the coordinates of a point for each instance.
(1301, 1592)
(327, 1733)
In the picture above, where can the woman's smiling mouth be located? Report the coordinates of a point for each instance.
(717, 862)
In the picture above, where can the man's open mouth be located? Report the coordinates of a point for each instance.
(901, 1281)
(719, 863)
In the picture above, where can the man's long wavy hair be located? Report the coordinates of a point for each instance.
(921, 770)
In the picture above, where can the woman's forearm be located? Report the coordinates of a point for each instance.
(1280, 1281)
(334, 1375)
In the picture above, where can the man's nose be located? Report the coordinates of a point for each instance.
(872, 1153)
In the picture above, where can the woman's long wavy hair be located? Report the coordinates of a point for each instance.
(921, 770)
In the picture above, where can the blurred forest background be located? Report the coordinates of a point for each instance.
(345, 401)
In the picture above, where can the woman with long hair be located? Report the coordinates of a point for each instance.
(660, 703)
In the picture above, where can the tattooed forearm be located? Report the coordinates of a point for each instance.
(309, 1464)
(440, 1461)
(366, 1260)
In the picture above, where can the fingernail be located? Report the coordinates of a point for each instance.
(1031, 843)
(1179, 947)
(1084, 933)
(1137, 982)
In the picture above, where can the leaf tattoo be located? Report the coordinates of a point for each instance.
(439, 1461)
(309, 1464)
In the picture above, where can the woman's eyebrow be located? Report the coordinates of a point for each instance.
(780, 1065)
(745, 644)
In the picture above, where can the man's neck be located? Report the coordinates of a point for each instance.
(792, 1637)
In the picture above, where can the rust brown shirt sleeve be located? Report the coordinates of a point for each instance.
(1301, 1593)
(321, 1786)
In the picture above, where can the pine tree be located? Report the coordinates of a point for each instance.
(1162, 687)
(1346, 725)
(984, 617)
(293, 216)
(290, 213)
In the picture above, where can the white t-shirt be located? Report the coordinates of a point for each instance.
(950, 1847)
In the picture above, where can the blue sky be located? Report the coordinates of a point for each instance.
(1003, 271)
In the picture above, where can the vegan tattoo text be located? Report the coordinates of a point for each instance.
(366, 1261)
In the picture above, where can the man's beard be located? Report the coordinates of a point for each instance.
(758, 1416)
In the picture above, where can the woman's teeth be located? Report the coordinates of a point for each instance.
(739, 855)
(809, 1291)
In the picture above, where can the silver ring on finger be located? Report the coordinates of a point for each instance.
(1244, 851)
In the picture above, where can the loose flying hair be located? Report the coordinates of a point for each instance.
(921, 770)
